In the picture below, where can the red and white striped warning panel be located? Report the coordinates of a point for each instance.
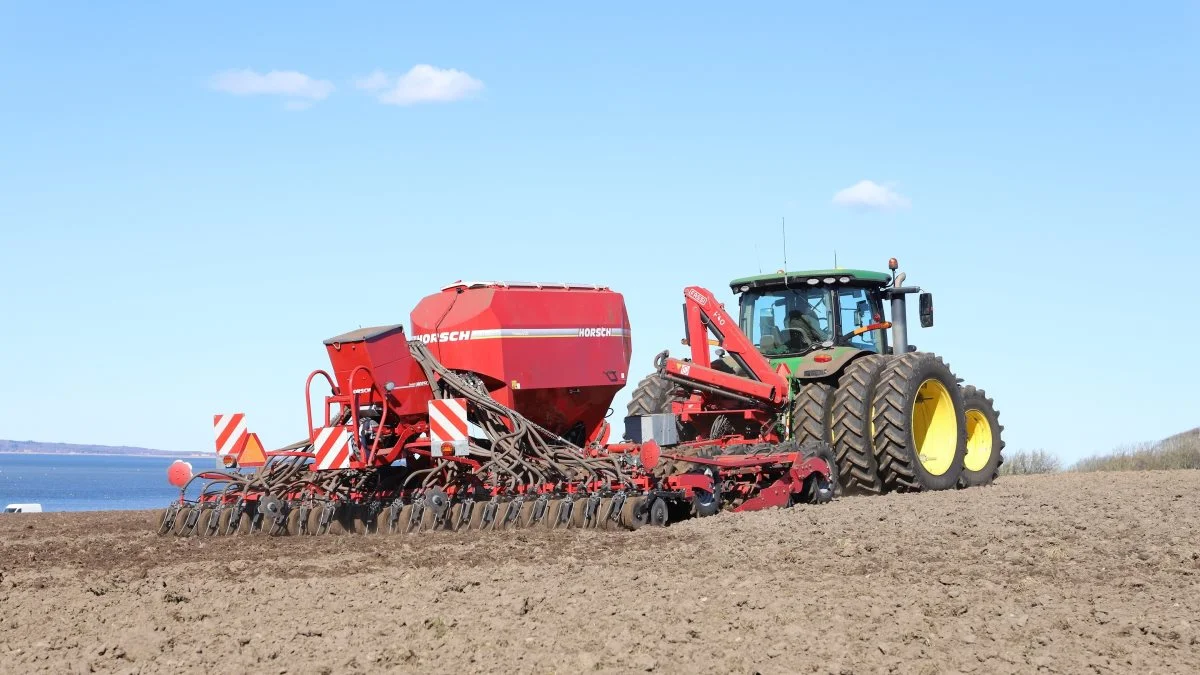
(231, 433)
(448, 427)
(332, 447)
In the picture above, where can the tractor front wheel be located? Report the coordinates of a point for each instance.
(920, 434)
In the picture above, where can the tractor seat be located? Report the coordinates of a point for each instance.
(768, 343)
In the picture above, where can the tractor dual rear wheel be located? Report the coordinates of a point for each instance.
(920, 435)
(984, 442)
(851, 426)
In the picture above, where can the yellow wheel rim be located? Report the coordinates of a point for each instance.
(979, 441)
(871, 427)
(934, 427)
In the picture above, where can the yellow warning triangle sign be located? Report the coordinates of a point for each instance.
(252, 453)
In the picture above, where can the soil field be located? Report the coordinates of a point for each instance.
(1070, 573)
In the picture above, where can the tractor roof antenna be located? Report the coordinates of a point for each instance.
(783, 227)
(758, 257)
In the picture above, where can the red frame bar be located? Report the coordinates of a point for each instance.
(704, 315)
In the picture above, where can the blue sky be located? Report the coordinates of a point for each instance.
(169, 249)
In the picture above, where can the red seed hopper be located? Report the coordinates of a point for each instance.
(556, 353)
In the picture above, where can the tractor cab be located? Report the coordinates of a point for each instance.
(794, 313)
(817, 320)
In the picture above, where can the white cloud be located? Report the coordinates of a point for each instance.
(277, 82)
(374, 82)
(868, 194)
(423, 83)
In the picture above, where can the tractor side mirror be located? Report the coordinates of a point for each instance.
(926, 309)
(860, 314)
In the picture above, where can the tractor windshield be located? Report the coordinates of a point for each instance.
(787, 320)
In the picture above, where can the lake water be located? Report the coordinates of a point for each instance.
(88, 483)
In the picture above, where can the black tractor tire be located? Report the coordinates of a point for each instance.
(653, 395)
(850, 426)
(811, 412)
(920, 427)
(984, 439)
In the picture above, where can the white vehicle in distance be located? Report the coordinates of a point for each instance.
(23, 508)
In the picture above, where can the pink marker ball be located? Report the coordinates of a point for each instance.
(179, 473)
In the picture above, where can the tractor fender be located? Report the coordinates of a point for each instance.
(808, 367)
(804, 368)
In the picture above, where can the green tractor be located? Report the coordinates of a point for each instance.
(897, 418)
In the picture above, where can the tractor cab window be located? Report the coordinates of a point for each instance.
(787, 320)
(857, 309)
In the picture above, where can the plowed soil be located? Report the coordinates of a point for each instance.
(1070, 573)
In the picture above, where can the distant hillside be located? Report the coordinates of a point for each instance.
(37, 448)
(1190, 437)
(1181, 451)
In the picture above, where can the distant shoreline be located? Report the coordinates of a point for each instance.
(172, 455)
(10, 447)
